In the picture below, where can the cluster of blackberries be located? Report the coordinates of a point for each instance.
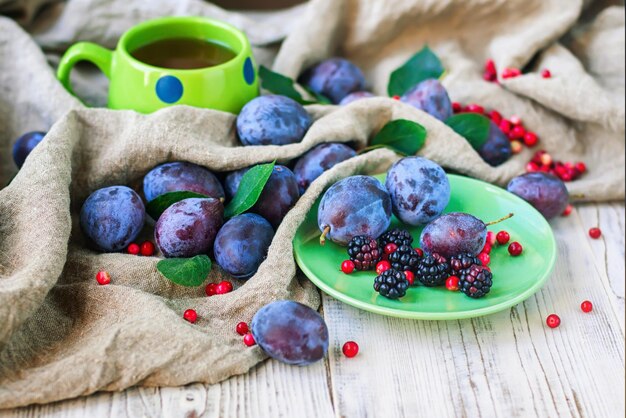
(395, 248)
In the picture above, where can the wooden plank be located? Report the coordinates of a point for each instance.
(270, 390)
(504, 365)
(609, 250)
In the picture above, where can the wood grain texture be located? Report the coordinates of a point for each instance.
(504, 365)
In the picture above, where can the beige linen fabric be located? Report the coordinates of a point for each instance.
(62, 335)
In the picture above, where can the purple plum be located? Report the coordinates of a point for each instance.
(334, 78)
(319, 159)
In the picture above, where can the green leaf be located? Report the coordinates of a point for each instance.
(403, 136)
(423, 65)
(158, 205)
(472, 126)
(280, 84)
(321, 99)
(188, 272)
(250, 188)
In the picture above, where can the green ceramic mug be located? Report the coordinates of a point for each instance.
(145, 88)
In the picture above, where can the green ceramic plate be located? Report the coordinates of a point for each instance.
(515, 278)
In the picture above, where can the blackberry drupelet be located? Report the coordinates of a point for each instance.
(476, 281)
(364, 252)
(433, 270)
(462, 262)
(404, 258)
(391, 284)
(396, 236)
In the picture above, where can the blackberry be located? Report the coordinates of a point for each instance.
(364, 252)
(433, 270)
(404, 258)
(462, 262)
(391, 284)
(476, 281)
(396, 236)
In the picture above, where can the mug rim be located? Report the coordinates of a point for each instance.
(123, 42)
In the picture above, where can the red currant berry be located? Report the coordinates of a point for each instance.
(419, 252)
(530, 139)
(133, 248)
(102, 277)
(595, 233)
(484, 258)
(517, 132)
(242, 328)
(490, 67)
(546, 159)
(190, 315)
(568, 210)
(487, 248)
(211, 289)
(546, 73)
(452, 283)
(581, 167)
(503, 237)
(147, 248)
(350, 349)
(224, 287)
(586, 306)
(553, 320)
(515, 120)
(505, 126)
(532, 167)
(410, 277)
(515, 249)
(382, 266)
(456, 107)
(390, 248)
(511, 72)
(396, 97)
(347, 266)
(248, 340)
(491, 238)
(495, 116)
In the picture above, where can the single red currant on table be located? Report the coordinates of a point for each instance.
(553, 321)
(190, 315)
(350, 349)
(546, 73)
(242, 328)
(586, 306)
(515, 249)
(382, 266)
(210, 289)
(347, 266)
(452, 283)
(248, 340)
(595, 233)
(103, 278)
(503, 237)
(224, 287)
(568, 210)
(147, 248)
(396, 97)
(133, 248)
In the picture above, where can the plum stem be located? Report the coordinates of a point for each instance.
(323, 236)
(509, 216)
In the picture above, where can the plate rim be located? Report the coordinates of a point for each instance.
(473, 313)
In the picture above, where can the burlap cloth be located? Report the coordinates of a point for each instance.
(62, 335)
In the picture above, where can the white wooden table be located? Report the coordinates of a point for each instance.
(504, 365)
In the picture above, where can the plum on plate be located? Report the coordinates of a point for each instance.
(419, 190)
(357, 205)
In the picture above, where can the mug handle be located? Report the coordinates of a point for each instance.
(84, 51)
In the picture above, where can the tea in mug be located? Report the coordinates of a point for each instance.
(183, 53)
